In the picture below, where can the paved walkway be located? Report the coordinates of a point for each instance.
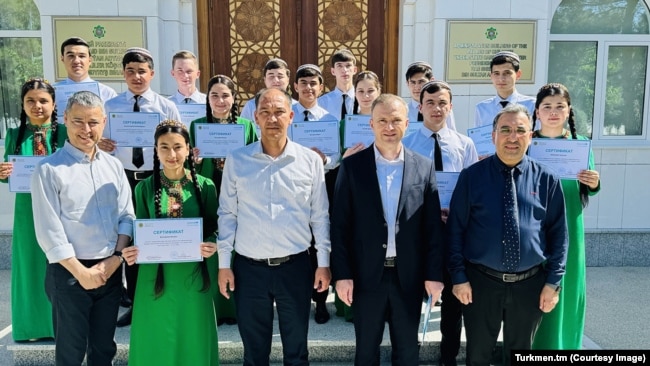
(618, 314)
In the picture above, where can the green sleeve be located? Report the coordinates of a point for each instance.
(210, 205)
(144, 199)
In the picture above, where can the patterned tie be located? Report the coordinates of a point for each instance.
(306, 112)
(344, 108)
(187, 100)
(510, 223)
(504, 103)
(38, 141)
(138, 156)
(437, 158)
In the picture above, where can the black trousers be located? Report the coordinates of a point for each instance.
(258, 286)
(84, 320)
(451, 321)
(387, 303)
(131, 272)
(494, 301)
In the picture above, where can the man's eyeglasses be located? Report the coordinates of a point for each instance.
(507, 131)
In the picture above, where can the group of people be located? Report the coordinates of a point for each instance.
(282, 222)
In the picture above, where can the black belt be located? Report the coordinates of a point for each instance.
(389, 262)
(507, 277)
(138, 175)
(272, 262)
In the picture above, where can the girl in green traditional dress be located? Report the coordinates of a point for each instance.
(563, 327)
(39, 134)
(173, 317)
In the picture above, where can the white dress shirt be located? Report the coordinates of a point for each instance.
(269, 207)
(105, 91)
(149, 102)
(333, 100)
(487, 109)
(414, 109)
(80, 205)
(196, 98)
(458, 151)
(389, 176)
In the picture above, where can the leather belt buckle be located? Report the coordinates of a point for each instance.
(510, 277)
(389, 262)
(141, 175)
(273, 262)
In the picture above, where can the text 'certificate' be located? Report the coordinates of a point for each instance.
(216, 140)
(168, 240)
(133, 129)
(357, 129)
(63, 92)
(566, 157)
(482, 137)
(190, 112)
(322, 135)
(21, 176)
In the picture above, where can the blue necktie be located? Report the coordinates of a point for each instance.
(511, 251)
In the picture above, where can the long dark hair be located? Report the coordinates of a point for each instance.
(234, 110)
(36, 84)
(170, 126)
(364, 75)
(553, 89)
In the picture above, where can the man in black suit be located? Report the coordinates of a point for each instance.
(387, 237)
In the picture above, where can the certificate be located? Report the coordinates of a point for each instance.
(322, 135)
(63, 92)
(482, 137)
(21, 175)
(191, 111)
(168, 240)
(566, 157)
(357, 129)
(133, 129)
(413, 127)
(216, 140)
(446, 183)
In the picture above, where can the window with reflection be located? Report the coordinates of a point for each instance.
(586, 32)
(21, 56)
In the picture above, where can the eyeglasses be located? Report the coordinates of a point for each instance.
(507, 131)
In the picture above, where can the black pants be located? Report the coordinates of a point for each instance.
(84, 320)
(258, 286)
(451, 322)
(494, 301)
(387, 303)
(131, 272)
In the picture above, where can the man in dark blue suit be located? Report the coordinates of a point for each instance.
(387, 237)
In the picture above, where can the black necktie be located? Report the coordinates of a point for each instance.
(420, 117)
(504, 103)
(187, 100)
(306, 112)
(138, 157)
(437, 158)
(344, 109)
(510, 223)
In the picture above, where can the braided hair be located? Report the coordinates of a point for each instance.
(36, 84)
(553, 89)
(365, 75)
(170, 126)
(234, 110)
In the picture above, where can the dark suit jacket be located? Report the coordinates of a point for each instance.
(359, 232)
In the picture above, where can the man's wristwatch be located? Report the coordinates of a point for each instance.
(119, 255)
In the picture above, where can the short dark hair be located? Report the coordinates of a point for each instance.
(505, 58)
(136, 57)
(419, 67)
(343, 55)
(308, 71)
(435, 86)
(74, 41)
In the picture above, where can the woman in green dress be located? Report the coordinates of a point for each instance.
(221, 107)
(39, 134)
(159, 336)
(563, 327)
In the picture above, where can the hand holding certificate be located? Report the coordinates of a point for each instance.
(216, 140)
(357, 129)
(133, 129)
(323, 135)
(482, 137)
(168, 240)
(23, 167)
(566, 157)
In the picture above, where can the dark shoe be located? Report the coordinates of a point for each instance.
(448, 363)
(220, 322)
(322, 316)
(229, 321)
(438, 303)
(125, 319)
(125, 301)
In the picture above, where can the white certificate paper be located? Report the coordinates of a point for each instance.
(191, 111)
(168, 240)
(64, 92)
(216, 140)
(133, 129)
(322, 135)
(357, 129)
(446, 182)
(566, 157)
(482, 137)
(21, 175)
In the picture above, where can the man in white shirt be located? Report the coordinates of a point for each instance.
(185, 70)
(270, 228)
